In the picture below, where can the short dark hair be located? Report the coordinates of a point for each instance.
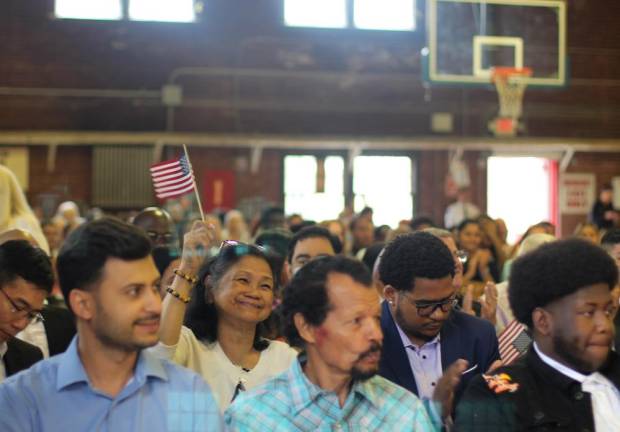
(556, 270)
(84, 253)
(312, 232)
(421, 220)
(267, 214)
(18, 258)
(460, 227)
(611, 238)
(201, 316)
(307, 292)
(415, 255)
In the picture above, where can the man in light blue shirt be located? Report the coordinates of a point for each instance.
(105, 381)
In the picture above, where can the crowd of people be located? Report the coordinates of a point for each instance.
(167, 321)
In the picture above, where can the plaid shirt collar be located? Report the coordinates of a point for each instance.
(306, 393)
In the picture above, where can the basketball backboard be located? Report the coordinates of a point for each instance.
(467, 38)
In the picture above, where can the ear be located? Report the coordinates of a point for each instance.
(82, 304)
(288, 270)
(542, 321)
(305, 330)
(390, 293)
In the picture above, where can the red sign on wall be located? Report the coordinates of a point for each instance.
(218, 190)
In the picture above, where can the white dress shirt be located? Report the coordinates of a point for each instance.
(3, 349)
(35, 335)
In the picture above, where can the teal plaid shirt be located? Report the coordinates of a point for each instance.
(290, 402)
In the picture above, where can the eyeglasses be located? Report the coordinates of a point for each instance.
(426, 309)
(160, 237)
(33, 316)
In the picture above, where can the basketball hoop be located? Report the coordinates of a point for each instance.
(510, 84)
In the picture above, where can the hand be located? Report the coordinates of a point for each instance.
(496, 364)
(196, 244)
(488, 308)
(484, 257)
(468, 300)
(446, 386)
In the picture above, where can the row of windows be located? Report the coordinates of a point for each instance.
(361, 14)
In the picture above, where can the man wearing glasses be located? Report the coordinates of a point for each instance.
(26, 278)
(423, 335)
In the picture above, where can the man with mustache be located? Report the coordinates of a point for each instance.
(331, 311)
(569, 379)
(425, 339)
(105, 378)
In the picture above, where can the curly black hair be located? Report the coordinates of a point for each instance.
(415, 255)
(307, 292)
(201, 315)
(556, 270)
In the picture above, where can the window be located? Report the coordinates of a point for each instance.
(524, 202)
(138, 10)
(315, 13)
(384, 14)
(383, 183)
(162, 10)
(93, 9)
(300, 187)
(361, 14)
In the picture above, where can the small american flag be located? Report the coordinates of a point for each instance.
(513, 342)
(172, 178)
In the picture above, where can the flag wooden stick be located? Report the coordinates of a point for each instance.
(202, 214)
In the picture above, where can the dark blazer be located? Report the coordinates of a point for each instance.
(59, 328)
(20, 355)
(545, 400)
(462, 337)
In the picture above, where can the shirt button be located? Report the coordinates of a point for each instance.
(433, 384)
(424, 357)
(578, 396)
(538, 416)
(337, 426)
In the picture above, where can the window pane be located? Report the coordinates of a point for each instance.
(520, 203)
(162, 10)
(91, 9)
(385, 14)
(383, 183)
(300, 194)
(315, 13)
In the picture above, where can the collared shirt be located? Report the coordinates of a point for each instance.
(290, 402)
(35, 334)
(571, 373)
(425, 362)
(3, 349)
(605, 396)
(57, 395)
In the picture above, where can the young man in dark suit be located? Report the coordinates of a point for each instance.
(26, 278)
(423, 335)
(570, 378)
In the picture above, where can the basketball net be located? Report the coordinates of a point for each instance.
(510, 84)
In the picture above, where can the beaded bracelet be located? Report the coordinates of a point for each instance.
(178, 295)
(187, 277)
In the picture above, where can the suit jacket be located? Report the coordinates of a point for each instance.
(59, 328)
(462, 337)
(545, 400)
(20, 355)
